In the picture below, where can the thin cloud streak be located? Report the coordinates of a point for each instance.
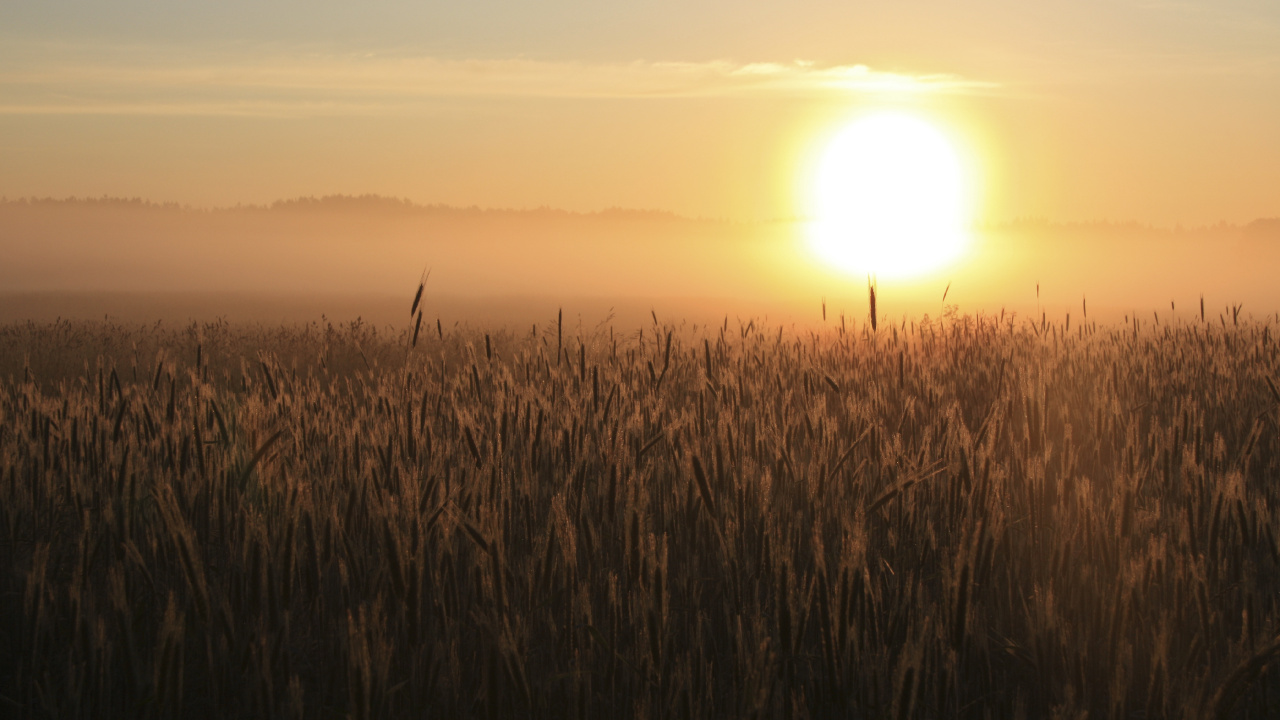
(323, 85)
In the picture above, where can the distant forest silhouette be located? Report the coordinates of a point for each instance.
(385, 205)
(368, 203)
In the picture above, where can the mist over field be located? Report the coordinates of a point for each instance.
(347, 257)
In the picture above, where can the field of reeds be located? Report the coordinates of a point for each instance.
(985, 518)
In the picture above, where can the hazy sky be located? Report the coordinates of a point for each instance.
(1160, 112)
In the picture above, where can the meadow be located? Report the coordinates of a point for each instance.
(985, 517)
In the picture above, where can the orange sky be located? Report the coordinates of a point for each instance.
(1161, 112)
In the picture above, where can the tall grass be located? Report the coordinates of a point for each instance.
(984, 519)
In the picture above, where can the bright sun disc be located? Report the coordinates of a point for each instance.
(889, 198)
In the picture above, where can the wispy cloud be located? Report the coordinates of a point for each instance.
(166, 83)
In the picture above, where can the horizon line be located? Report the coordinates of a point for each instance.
(376, 201)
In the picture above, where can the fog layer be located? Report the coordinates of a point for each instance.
(348, 257)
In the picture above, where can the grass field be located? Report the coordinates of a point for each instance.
(986, 518)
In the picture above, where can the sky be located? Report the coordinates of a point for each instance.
(1081, 110)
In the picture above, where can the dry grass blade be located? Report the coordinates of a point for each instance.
(471, 445)
(884, 498)
(222, 424)
(890, 494)
(417, 297)
(871, 290)
(844, 457)
(476, 536)
(257, 457)
(648, 445)
(703, 488)
(1239, 681)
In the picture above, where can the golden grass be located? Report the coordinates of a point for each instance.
(985, 519)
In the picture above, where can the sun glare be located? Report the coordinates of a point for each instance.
(890, 198)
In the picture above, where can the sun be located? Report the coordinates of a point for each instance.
(890, 198)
